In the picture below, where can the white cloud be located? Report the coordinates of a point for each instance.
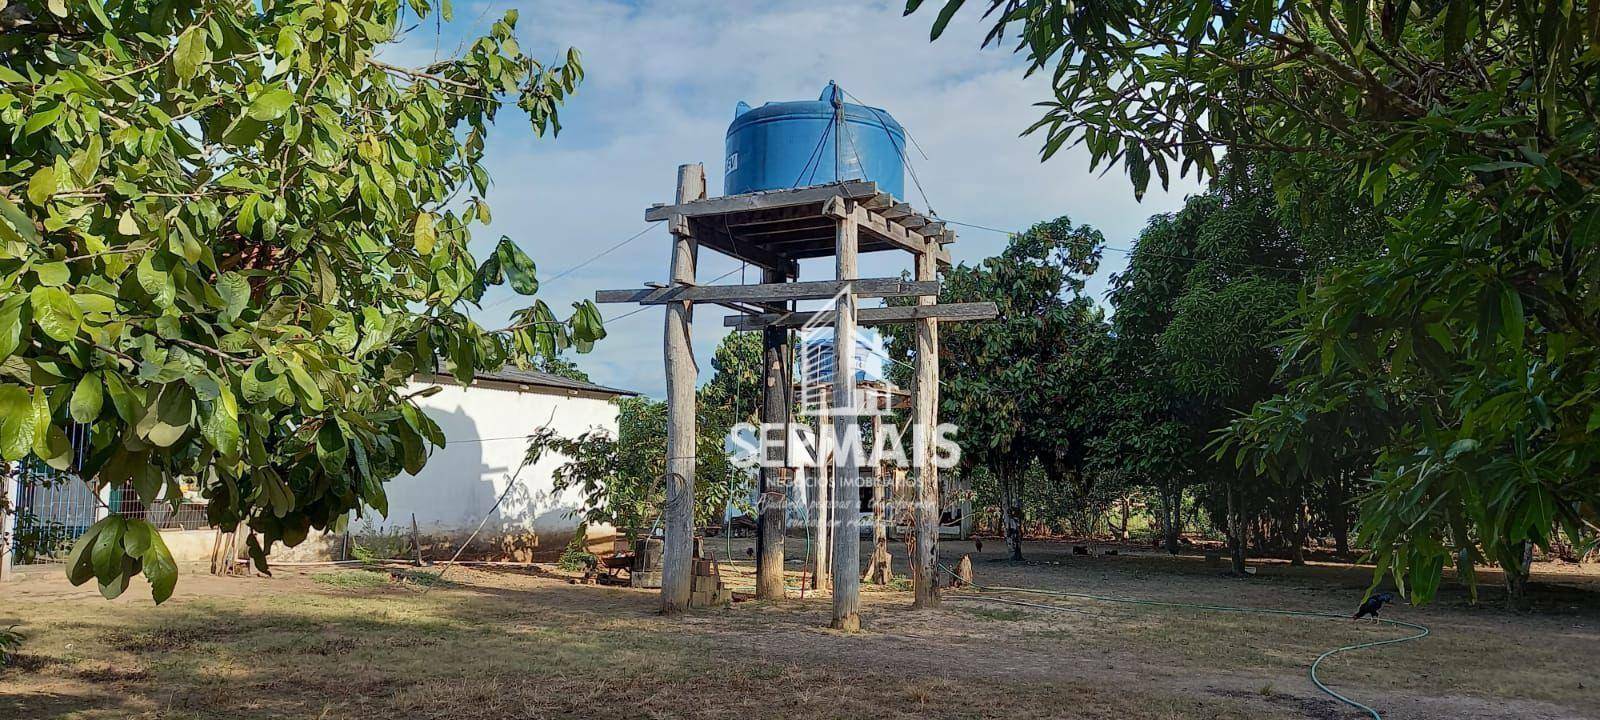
(662, 80)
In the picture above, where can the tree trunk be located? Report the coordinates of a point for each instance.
(1127, 510)
(1517, 580)
(772, 510)
(1302, 523)
(1339, 515)
(1236, 530)
(1011, 514)
(1174, 519)
(880, 571)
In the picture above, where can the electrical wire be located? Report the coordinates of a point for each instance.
(577, 267)
(816, 155)
(904, 161)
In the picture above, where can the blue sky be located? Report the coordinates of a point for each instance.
(662, 82)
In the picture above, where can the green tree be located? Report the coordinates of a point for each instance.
(229, 233)
(621, 476)
(1195, 327)
(558, 365)
(1480, 311)
(1021, 388)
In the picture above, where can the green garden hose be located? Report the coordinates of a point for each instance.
(1422, 631)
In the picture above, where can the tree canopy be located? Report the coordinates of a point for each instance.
(1021, 388)
(229, 233)
(1479, 313)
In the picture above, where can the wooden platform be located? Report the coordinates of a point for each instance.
(773, 229)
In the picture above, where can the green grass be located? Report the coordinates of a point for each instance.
(352, 579)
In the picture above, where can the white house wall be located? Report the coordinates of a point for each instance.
(486, 428)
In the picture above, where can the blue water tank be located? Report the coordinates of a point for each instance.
(782, 145)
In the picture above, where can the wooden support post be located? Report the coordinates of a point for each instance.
(846, 464)
(677, 551)
(822, 514)
(924, 562)
(880, 571)
(772, 509)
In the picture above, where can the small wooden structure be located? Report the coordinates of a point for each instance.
(773, 230)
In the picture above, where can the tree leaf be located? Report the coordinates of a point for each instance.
(155, 281)
(52, 274)
(423, 234)
(87, 399)
(305, 385)
(160, 569)
(943, 19)
(127, 224)
(42, 185)
(55, 313)
(271, 104)
(80, 563)
(235, 292)
(107, 553)
(190, 53)
(517, 266)
(16, 422)
(219, 424)
(12, 324)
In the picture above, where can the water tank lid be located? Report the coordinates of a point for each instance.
(831, 93)
(821, 108)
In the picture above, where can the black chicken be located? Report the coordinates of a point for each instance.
(1373, 605)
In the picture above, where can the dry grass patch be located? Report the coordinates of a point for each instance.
(501, 644)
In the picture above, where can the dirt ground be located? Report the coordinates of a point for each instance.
(499, 642)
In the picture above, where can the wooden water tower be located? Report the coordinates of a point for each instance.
(775, 229)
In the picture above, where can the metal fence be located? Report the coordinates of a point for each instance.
(50, 509)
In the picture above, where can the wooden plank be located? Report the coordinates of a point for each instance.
(770, 292)
(925, 409)
(678, 514)
(762, 200)
(951, 312)
(846, 465)
(712, 236)
(757, 218)
(821, 511)
(891, 232)
(897, 211)
(770, 241)
(758, 232)
(878, 202)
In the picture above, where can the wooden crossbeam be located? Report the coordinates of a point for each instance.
(770, 292)
(951, 312)
(762, 200)
(896, 233)
(879, 202)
